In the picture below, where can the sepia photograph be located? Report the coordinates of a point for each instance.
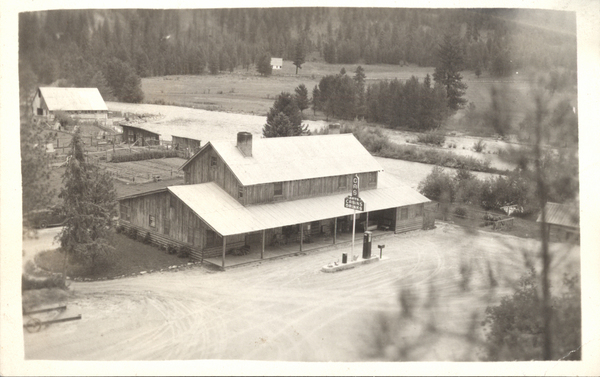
(338, 188)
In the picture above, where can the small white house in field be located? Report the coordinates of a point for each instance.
(84, 104)
(277, 63)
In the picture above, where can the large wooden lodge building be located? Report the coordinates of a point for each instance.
(252, 193)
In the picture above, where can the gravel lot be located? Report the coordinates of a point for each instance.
(288, 310)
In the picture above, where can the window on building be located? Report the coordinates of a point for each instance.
(342, 181)
(404, 213)
(213, 162)
(372, 178)
(240, 191)
(40, 111)
(167, 227)
(152, 221)
(125, 215)
(419, 210)
(278, 188)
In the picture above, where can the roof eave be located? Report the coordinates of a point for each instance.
(194, 156)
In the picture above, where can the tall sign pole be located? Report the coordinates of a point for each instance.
(355, 185)
(354, 202)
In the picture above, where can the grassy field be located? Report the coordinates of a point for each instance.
(247, 92)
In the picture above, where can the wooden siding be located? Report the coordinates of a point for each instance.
(409, 218)
(175, 223)
(186, 145)
(201, 171)
(132, 134)
(162, 240)
(265, 193)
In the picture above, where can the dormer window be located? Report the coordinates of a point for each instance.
(278, 188)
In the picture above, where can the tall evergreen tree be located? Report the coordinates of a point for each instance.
(299, 55)
(35, 169)
(132, 89)
(447, 72)
(263, 66)
(301, 97)
(359, 79)
(89, 204)
(99, 82)
(316, 99)
(290, 124)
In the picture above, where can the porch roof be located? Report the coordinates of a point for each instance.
(227, 216)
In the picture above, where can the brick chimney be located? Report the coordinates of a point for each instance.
(244, 143)
(334, 128)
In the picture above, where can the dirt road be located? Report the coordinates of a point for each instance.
(288, 309)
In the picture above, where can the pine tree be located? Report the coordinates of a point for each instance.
(89, 205)
(316, 99)
(359, 79)
(263, 66)
(132, 91)
(447, 72)
(35, 170)
(301, 97)
(290, 124)
(299, 55)
(99, 82)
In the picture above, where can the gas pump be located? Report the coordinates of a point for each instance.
(367, 240)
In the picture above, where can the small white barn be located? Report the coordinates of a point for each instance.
(84, 104)
(276, 63)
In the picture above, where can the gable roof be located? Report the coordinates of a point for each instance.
(227, 216)
(294, 158)
(561, 214)
(73, 99)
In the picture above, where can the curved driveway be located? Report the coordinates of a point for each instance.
(285, 309)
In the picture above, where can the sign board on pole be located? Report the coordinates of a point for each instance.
(355, 181)
(353, 202)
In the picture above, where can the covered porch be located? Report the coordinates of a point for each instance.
(277, 250)
(279, 228)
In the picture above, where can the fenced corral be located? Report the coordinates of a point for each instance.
(469, 217)
(60, 142)
(144, 171)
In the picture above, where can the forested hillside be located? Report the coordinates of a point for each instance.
(112, 49)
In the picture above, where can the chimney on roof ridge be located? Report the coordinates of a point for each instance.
(244, 143)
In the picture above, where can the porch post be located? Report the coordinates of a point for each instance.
(367, 222)
(301, 235)
(334, 230)
(224, 248)
(262, 251)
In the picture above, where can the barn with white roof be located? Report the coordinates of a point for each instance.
(84, 104)
(272, 193)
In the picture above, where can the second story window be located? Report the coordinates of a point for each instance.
(278, 188)
(372, 178)
(213, 162)
(342, 181)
